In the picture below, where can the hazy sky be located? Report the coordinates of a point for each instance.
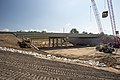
(54, 15)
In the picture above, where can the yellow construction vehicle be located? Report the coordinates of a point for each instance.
(25, 43)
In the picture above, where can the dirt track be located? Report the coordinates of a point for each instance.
(14, 66)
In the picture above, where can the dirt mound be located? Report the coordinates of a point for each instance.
(108, 60)
(8, 40)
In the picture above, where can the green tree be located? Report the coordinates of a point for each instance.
(43, 32)
(84, 32)
(74, 30)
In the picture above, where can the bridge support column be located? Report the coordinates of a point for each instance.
(52, 42)
(56, 42)
(61, 42)
(49, 42)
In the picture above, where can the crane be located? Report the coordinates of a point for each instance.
(97, 16)
(112, 18)
(111, 13)
(113, 24)
(105, 47)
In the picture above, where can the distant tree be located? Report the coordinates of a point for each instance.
(32, 31)
(102, 33)
(29, 31)
(74, 30)
(35, 31)
(90, 33)
(84, 32)
(43, 32)
(20, 31)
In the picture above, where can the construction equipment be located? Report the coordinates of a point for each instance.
(116, 43)
(97, 16)
(113, 24)
(104, 14)
(106, 48)
(103, 47)
(94, 6)
(112, 18)
(26, 43)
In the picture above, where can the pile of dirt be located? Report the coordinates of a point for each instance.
(108, 60)
(8, 40)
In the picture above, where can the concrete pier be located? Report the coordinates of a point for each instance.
(55, 41)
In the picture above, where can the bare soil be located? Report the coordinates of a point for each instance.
(8, 40)
(15, 66)
(73, 52)
(83, 53)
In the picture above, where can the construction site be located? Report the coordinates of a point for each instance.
(62, 56)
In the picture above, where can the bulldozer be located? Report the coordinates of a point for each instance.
(106, 48)
(25, 43)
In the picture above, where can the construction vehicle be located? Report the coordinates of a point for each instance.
(97, 16)
(116, 43)
(104, 47)
(26, 43)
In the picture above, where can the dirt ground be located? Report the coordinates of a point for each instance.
(82, 53)
(8, 40)
(15, 66)
(89, 53)
(73, 52)
(77, 52)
